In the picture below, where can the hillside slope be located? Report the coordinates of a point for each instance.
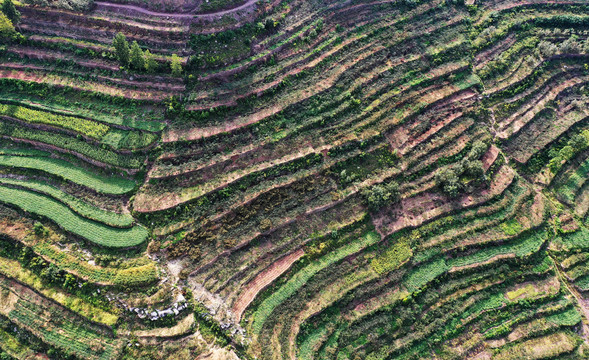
(318, 179)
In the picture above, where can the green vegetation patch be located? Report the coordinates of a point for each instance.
(135, 276)
(82, 208)
(89, 128)
(75, 145)
(393, 257)
(62, 215)
(569, 317)
(67, 171)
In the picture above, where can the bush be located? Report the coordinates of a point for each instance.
(447, 180)
(150, 64)
(40, 230)
(176, 65)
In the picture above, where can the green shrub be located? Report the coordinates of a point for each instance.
(7, 30)
(176, 65)
(78, 5)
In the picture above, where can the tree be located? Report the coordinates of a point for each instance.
(122, 49)
(136, 57)
(381, 195)
(151, 64)
(7, 31)
(477, 150)
(448, 181)
(10, 11)
(176, 65)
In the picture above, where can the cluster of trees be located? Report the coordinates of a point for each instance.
(448, 179)
(47, 271)
(380, 195)
(572, 45)
(134, 57)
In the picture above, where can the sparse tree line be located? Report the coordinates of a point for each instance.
(133, 57)
(74, 5)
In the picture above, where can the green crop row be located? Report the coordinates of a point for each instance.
(67, 171)
(568, 317)
(68, 220)
(83, 209)
(575, 181)
(426, 273)
(79, 146)
(23, 152)
(63, 333)
(116, 116)
(526, 245)
(89, 128)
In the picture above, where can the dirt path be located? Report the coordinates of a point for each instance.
(106, 5)
(262, 280)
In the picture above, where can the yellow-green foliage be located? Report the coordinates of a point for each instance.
(13, 269)
(7, 30)
(529, 290)
(87, 127)
(393, 257)
(511, 227)
(136, 276)
(93, 273)
(11, 345)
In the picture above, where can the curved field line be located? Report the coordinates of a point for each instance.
(65, 170)
(70, 221)
(264, 279)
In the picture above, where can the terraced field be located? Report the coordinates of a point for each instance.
(320, 179)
